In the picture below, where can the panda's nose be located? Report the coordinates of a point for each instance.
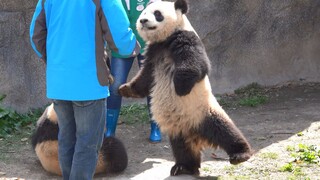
(143, 21)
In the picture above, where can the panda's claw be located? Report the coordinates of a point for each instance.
(179, 169)
(239, 157)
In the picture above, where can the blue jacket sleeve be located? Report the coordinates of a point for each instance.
(38, 31)
(116, 28)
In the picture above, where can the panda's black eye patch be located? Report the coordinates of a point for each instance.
(158, 16)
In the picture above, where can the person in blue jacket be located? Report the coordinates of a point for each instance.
(120, 67)
(70, 36)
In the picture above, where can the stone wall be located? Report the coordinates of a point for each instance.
(268, 42)
(22, 74)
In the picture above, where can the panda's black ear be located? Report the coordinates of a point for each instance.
(181, 5)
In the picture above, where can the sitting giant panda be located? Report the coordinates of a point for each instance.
(175, 75)
(112, 155)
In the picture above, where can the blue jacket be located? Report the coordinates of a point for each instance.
(70, 35)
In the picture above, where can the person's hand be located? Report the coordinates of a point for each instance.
(111, 79)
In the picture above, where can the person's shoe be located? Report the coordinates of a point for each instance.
(155, 133)
(111, 122)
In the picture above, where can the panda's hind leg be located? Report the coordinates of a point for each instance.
(221, 131)
(186, 160)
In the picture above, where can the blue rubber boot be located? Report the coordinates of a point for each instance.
(111, 124)
(155, 134)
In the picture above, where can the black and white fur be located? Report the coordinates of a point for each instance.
(112, 157)
(175, 75)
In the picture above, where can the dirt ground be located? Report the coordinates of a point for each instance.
(270, 128)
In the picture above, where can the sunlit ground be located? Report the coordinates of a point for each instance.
(265, 164)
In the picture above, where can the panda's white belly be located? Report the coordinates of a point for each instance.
(175, 113)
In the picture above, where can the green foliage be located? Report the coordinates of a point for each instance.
(309, 154)
(253, 101)
(11, 121)
(206, 169)
(2, 96)
(134, 113)
(223, 101)
(304, 154)
(300, 134)
(252, 89)
(251, 95)
(290, 148)
(289, 167)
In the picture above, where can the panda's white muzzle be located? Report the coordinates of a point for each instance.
(145, 24)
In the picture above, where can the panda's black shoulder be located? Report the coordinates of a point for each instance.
(180, 44)
(186, 46)
(182, 39)
(183, 36)
(152, 50)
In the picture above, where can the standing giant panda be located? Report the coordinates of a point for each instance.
(112, 155)
(175, 75)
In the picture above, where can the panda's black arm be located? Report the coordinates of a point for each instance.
(140, 84)
(191, 61)
(184, 81)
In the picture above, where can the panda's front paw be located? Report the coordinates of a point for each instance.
(179, 169)
(184, 82)
(182, 88)
(181, 91)
(239, 157)
(125, 90)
